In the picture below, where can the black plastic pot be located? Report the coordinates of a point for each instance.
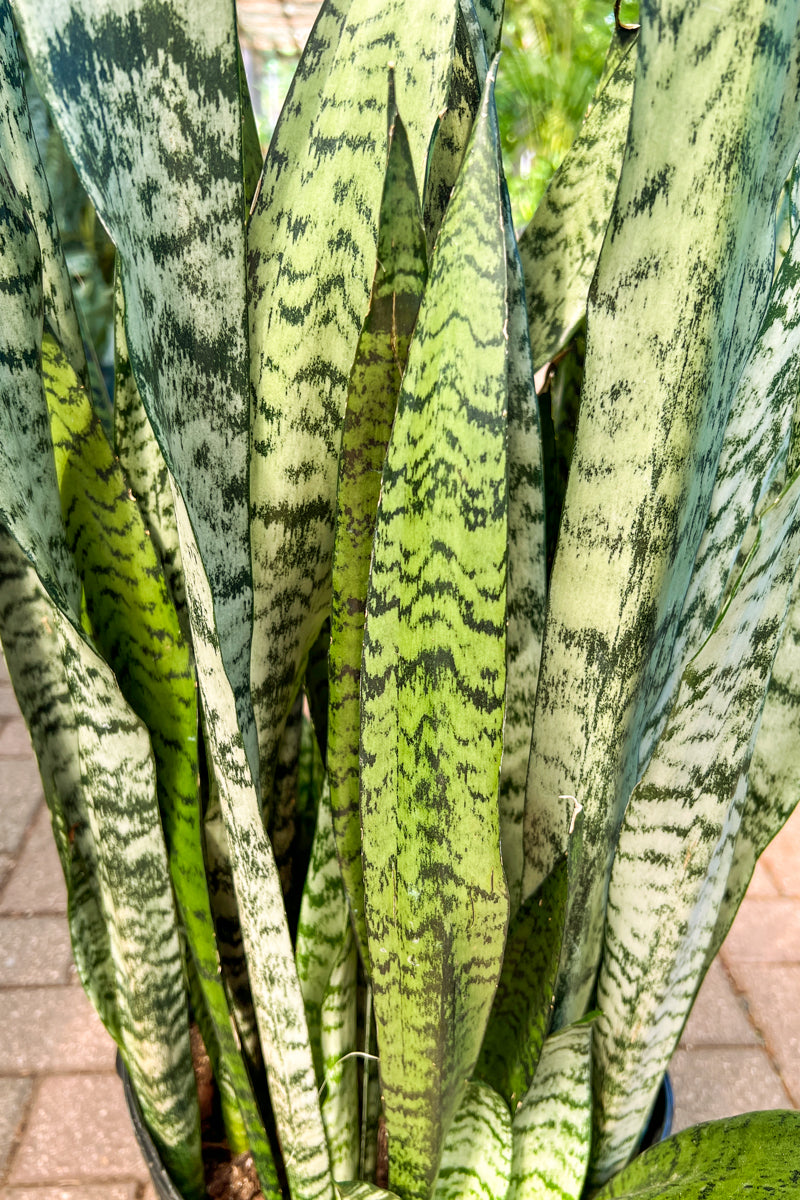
(658, 1128)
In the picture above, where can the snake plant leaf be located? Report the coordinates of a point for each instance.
(657, 390)
(20, 154)
(361, 1190)
(552, 1128)
(523, 1005)
(773, 783)
(157, 141)
(527, 562)
(454, 123)
(143, 463)
(326, 970)
(753, 450)
(252, 156)
(433, 683)
(137, 632)
(275, 986)
(33, 658)
(757, 1155)
(476, 1159)
(490, 17)
(29, 503)
(371, 402)
(677, 841)
(312, 242)
(560, 245)
(99, 772)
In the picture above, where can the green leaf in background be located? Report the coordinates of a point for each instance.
(157, 141)
(311, 244)
(433, 683)
(137, 632)
(523, 1004)
(21, 158)
(277, 997)
(677, 841)
(693, 222)
(756, 1155)
(326, 966)
(362, 1191)
(371, 401)
(552, 1127)
(560, 246)
(476, 1159)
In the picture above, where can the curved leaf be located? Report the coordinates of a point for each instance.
(147, 101)
(677, 841)
(560, 245)
(433, 683)
(757, 1155)
(693, 223)
(311, 244)
(476, 1159)
(552, 1128)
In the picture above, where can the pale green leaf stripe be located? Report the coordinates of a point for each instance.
(143, 463)
(326, 970)
(757, 1155)
(656, 394)
(527, 562)
(29, 504)
(32, 654)
(157, 141)
(476, 1159)
(21, 156)
(773, 783)
(433, 684)
(137, 632)
(453, 125)
(360, 1190)
(552, 1128)
(311, 245)
(378, 368)
(99, 773)
(276, 990)
(559, 247)
(677, 842)
(752, 448)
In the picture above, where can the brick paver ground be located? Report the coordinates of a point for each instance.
(64, 1128)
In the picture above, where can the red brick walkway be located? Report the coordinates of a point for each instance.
(64, 1129)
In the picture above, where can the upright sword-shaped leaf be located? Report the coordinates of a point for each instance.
(433, 683)
(157, 141)
(693, 223)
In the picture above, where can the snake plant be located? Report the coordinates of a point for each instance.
(409, 730)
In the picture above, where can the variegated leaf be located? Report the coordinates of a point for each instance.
(147, 101)
(753, 450)
(143, 463)
(371, 401)
(692, 221)
(99, 773)
(757, 1155)
(327, 971)
(277, 997)
(433, 683)
(362, 1191)
(136, 630)
(559, 247)
(523, 1004)
(677, 842)
(552, 1127)
(476, 1159)
(773, 783)
(20, 154)
(312, 241)
(527, 562)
